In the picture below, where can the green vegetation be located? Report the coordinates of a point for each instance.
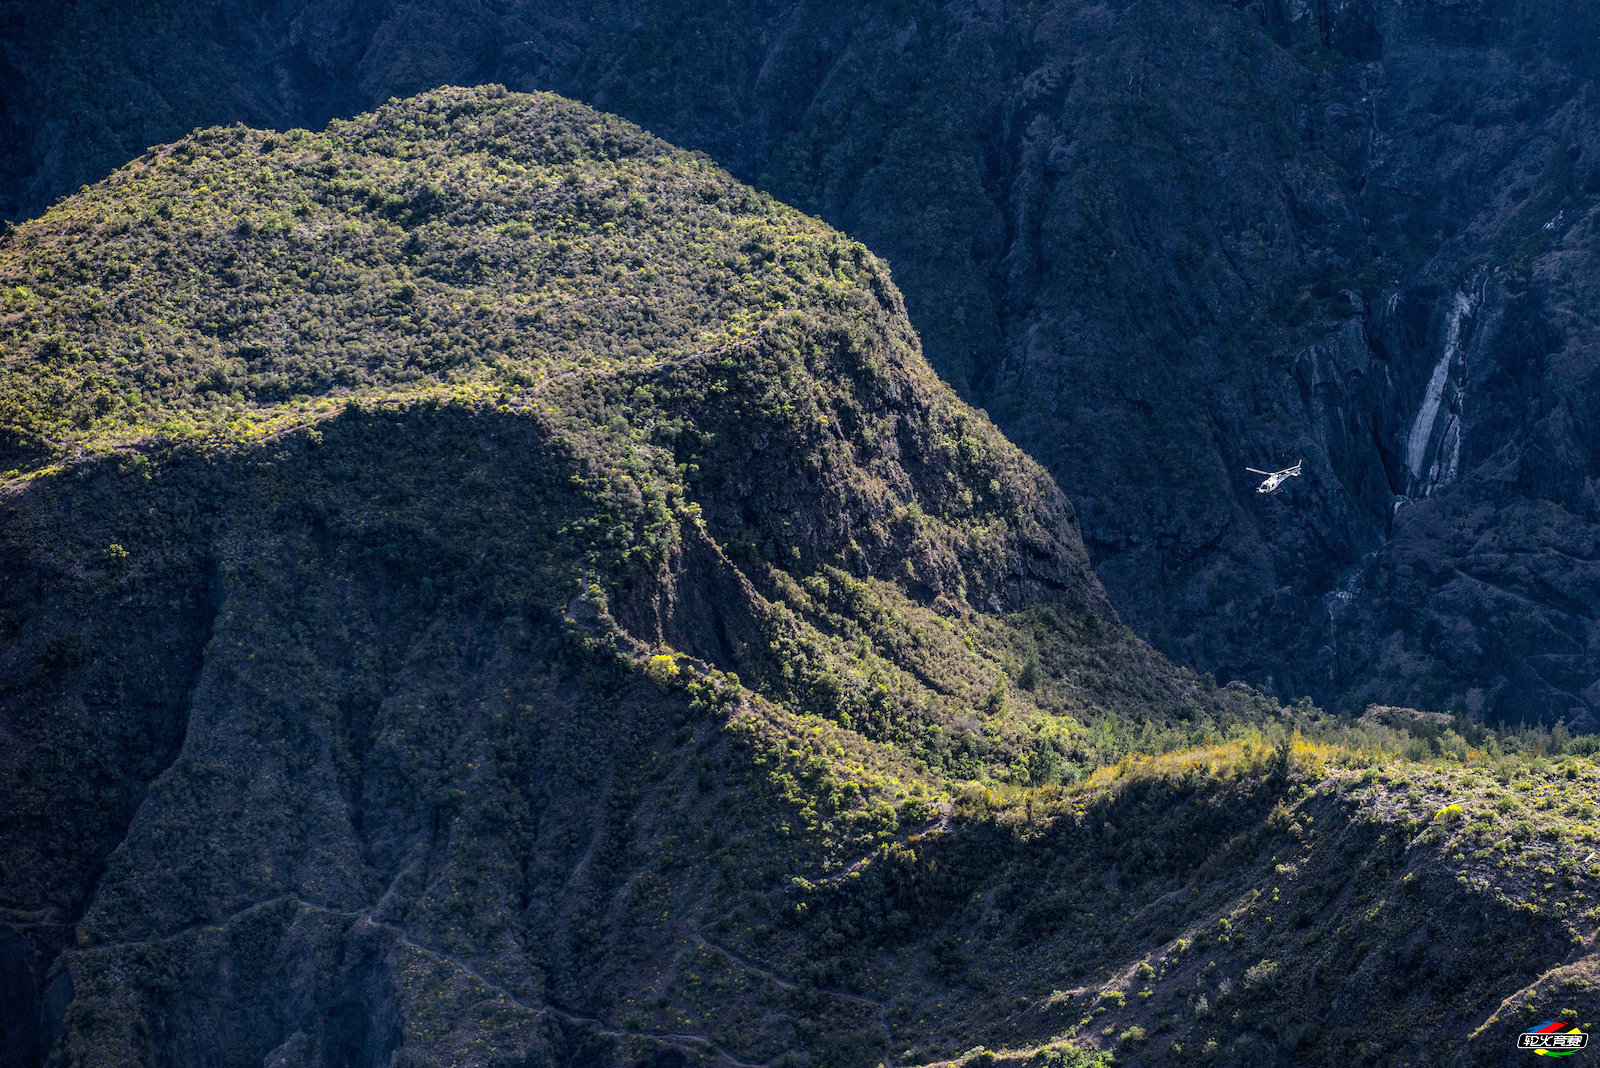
(239, 281)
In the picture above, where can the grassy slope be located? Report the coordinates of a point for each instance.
(576, 627)
(1303, 903)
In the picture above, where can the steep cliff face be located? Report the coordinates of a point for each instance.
(1158, 243)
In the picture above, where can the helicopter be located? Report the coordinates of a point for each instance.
(1275, 479)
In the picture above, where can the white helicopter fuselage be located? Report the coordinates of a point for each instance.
(1275, 479)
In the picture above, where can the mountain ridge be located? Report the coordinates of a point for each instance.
(322, 572)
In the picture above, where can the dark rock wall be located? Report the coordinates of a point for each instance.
(1157, 241)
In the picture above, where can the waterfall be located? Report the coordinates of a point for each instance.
(1447, 461)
